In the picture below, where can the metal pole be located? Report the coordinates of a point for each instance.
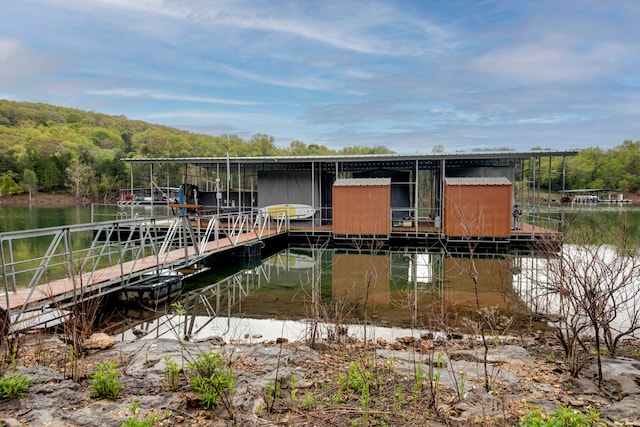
(228, 174)
(415, 197)
(151, 189)
(313, 195)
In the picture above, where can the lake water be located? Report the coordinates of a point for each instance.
(408, 287)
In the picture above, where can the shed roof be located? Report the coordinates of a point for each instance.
(477, 181)
(361, 182)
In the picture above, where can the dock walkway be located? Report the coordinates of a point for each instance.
(86, 261)
(108, 279)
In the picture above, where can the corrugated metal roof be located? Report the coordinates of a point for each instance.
(361, 182)
(477, 181)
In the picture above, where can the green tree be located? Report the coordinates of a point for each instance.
(8, 184)
(30, 181)
(80, 176)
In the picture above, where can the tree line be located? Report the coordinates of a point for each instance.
(50, 148)
(617, 168)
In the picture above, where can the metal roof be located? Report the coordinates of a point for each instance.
(477, 181)
(355, 158)
(361, 182)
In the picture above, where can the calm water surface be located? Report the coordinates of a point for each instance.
(407, 287)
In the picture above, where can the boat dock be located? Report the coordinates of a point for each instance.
(89, 261)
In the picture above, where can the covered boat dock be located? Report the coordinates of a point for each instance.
(494, 197)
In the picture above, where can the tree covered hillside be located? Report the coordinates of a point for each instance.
(49, 148)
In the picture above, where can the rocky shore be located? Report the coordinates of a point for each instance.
(413, 381)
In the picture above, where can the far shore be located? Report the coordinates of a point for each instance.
(66, 199)
(43, 199)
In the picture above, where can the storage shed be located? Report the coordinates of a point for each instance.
(477, 207)
(362, 206)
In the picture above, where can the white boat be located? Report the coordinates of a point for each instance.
(293, 211)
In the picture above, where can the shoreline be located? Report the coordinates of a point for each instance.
(42, 199)
(525, 373)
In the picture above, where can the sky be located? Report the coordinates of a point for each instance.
(409, 75)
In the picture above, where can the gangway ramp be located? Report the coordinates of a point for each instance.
(85, 261)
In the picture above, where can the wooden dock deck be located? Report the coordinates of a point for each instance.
(110, 279)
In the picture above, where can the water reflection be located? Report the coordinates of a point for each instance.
(408, 288)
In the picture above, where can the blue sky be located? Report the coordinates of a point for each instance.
(409, 75)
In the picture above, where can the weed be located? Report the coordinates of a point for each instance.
(419, 379)
(565, 417)
(171, 373)
(398, 398)
(309, 401)
(13, 385)
(551, 357)
(439, 361)
(389, 364)
(137, 422)
(211, 380)
(104, 381)
(356, 379)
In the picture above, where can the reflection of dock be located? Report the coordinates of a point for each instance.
(205, 306)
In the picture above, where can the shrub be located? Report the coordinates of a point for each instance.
(13, 385)
(137, 422)
(171, 373)
(104, 381)
(356, 379)
(211, 380)
(562, 417)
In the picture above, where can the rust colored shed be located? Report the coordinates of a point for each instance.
(362, 206)
(477, 207)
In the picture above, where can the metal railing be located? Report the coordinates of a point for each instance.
(98, 258)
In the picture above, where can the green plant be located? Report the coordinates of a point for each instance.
(274, 391)
(104, 381)
(462, 382)
(419, 380)
(439, 361)
(389, 364)
(551, 357)
(171, 373)
(356, 379)
(211, 380)
(13, 385)
(398, 398)
(562, 417)
(137, 422)
(293, 388)
(309, 401)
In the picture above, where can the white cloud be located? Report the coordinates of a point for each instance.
(18, 63)
(151, 94)
(545, 62)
